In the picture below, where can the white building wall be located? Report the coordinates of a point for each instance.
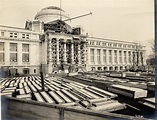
(109, 45)
(34, 46)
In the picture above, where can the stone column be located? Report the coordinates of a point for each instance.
(107, 56)
(84, 47)
(127, 57)
(101, 57)
(50, 56)
(72, 53)
(118, 57)
(64, 56)
(89, 60)
(112, 54)
(122, 57)
(79, 54)
(95, 56)
(57, 51)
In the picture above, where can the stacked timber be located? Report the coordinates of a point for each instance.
(151, 86)
(141, 85)
(148, 103)
(131, 92)
(61, 91)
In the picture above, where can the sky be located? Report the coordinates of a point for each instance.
(126, 20)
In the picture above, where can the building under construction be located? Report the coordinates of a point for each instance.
(50, 43)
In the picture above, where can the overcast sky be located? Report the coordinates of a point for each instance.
(128, 20)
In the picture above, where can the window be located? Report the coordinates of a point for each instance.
(91, 42)
(119, 45)
(13, 46)
(25, 52)
(129, 58)
(27, 36)
(110, 56)
(97, 43)
(120, 56)
(125, 57)
(34, 70)
(109, 44)
(23, 35)
(92, 55)
(104, 56)
(1, 56)
(1, 46)
(13, 57)
(115, 45)
(26, 71)
(25, 47)
(98, 56)
(2, 33)
(13, 52)
(13, 34)
(1, 52)
(25, 57)
(115, 56)
(104, 44)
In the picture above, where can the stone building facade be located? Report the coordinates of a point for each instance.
(51, 43)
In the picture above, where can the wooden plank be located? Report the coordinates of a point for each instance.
(109, 106)
(37, 86)
(104, 92)
(84, 93)
(39, 97)
(6, 94)
(99, 100)
(24, 96)
(67, 99)
(21, 91)
(128, 91)
(53, 86)
(33, 89)
(97, 93)
(70, 95)
(50, 88)
(27, 89)
(90, 93)
(69, 104)
(75, 85)
(56, 97)
(78, 95)
(47, 97)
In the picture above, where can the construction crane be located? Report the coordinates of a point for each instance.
(90, 13)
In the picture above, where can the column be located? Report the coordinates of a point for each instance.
(89, 56)
(122, 57)
(112, 54)
(79, 54)
(131, 57)
(57, 40)
(64, 56)
(118, 57)
(101, 56)
(72, 53)
(19, 55)
(84, 47)
(107, 56)
(7, 53)
(95, 56)
(127, 58)
(49, 56)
